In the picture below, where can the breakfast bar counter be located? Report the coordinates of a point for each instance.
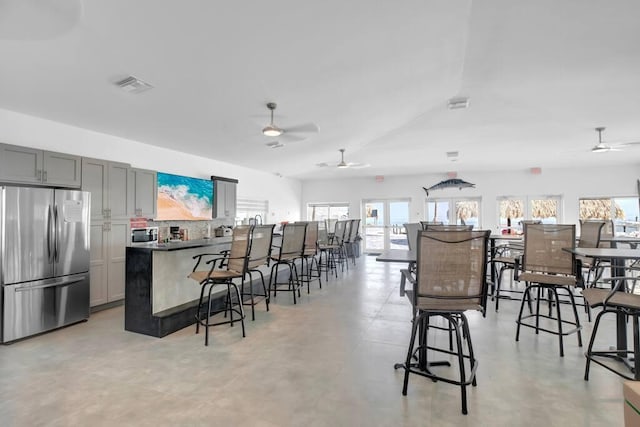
(159, 297)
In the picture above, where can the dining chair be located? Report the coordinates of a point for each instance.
(590, 231)
(618, 302)
(426, 224)
(547, 266)
(235, 267)
(290, 249)
(342, 228)
(352, 241)
(259, 253)
(310, 267)
(326, 249)
(450, 227)
(412, 229)
(450, 279)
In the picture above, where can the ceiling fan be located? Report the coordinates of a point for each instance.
(342, 164)
(288, 134)
(602, 147)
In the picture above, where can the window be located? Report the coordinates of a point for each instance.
(248, 209)
(322, 211)
(622, 210)
(512, 210)
(455, 211)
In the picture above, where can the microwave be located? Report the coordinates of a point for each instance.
(144, 235)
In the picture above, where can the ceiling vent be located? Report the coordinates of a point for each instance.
(458, 102)
(132, 84)
(452, 156)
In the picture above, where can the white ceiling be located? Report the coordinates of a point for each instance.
(375, 76)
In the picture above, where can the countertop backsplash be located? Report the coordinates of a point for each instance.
(195, 229)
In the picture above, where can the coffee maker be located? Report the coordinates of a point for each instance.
(175, 233)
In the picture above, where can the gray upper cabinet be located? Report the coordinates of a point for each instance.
(61, 169)
(145, 193)
(110, 184)
(224, 197)
(26, 165)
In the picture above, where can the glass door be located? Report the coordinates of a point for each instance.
(382, 224)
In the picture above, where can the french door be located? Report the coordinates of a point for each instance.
(382, 224)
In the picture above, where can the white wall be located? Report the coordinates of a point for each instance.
(284, 194)
(571, 184)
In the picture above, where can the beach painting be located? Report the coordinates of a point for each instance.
(184, 198)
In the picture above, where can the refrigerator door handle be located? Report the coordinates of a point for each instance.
(56, 246)
(60, 282)
(49, 239)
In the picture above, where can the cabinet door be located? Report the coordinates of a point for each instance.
(145, 183)
(98, 263)
(230, 200)
(120, 191)
(20, 164)
(61, 169)
(119, 236)
(219, 199)
(94, 180)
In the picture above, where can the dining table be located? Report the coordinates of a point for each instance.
(618, 258)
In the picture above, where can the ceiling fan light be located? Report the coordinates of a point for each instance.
(271, 130)
(343, 165)
(600, 149)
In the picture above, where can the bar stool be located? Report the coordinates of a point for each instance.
(236, 263)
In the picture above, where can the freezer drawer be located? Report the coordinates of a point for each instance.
(38, 306)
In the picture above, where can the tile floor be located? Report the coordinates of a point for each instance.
(327, 361)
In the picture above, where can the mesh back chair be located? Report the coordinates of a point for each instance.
(619, 302)
(290, 249)
(450, 279)
(427, 224)
(441, 227)
(547, 266)
(326, 260)
(261, 239)
(310, 266)
(235, 267)
(590, 231)
(412, 229)
(352, 241)
(340, 253)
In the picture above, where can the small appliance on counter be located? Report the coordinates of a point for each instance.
(144, 235)
(174, 234)
(224, 231)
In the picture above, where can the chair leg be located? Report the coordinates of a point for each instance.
(463, 378)
(241, 309)
(206, 326)
(575, 313)
(591, 341)
(407, 364)
(199, 311)
(264, 289)
(553, 291)
(525, 297)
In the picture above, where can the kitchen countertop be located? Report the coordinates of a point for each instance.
(176, 246)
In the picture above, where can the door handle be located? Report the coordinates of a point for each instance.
(62, 282)
(49, 240)
(56, 245)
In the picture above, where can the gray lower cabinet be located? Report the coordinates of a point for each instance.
(145, 193)
(110, 184)
(26, 165)
(224, 198)
(107, 261)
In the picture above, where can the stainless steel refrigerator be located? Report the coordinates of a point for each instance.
(44, 259)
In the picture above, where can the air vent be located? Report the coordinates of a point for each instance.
(452, 155)
(458, 102)
(132, 84)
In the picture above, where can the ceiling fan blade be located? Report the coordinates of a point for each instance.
(274, 144)
(303, 128)
(287, 137)
(323, 165)
(358, 165)
(626, 144)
